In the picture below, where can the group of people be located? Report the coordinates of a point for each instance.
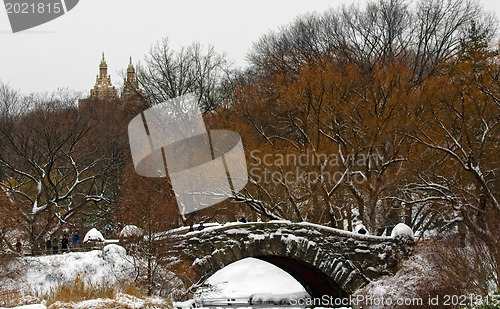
(200, 227)
(52, 243)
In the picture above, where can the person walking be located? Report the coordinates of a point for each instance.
(55, 245)
(64, 244)
(19, 246)
(48, 245)
(200, 227)
(75, 239)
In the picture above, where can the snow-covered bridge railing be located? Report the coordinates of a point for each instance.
(326, 261)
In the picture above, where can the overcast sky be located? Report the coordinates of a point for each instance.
(66, 52)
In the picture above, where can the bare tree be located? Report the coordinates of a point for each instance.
(167, 73)
(461, 132)
(149, 204)
(346, 124)
(50, 167)
(425, 35)
(9, 99)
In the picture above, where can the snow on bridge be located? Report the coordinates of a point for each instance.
(326, 261)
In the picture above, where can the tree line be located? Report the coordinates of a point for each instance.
(394, 108)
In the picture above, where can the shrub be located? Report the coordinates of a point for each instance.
(78, 291)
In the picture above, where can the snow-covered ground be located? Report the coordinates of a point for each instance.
(251, 278)
(34, 306)
(242, 279)
(245, 279)
(248, 276)
(40, 274)
(121, 301)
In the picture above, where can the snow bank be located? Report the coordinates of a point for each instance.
(42, 273)
(276, 299)
(36, 306)
(185, 304)
(414, 279)
(121, 300)
(93, 235)
(249, 276)
(401, 229)
(114, 252)
(360, 227)
(131, 231)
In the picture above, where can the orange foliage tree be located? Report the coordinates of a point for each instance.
(149, 204)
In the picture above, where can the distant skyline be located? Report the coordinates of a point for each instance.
(66, 52)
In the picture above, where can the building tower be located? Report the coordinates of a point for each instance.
(130, 85)
(103, 88)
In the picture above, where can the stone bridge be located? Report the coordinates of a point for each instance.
(326, 261)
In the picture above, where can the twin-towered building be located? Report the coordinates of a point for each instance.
(104, 89)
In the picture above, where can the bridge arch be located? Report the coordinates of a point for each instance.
(324, 260)
(314, 281)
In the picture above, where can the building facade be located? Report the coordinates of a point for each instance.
(103, 89)
(105, 95)
(130, 84)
